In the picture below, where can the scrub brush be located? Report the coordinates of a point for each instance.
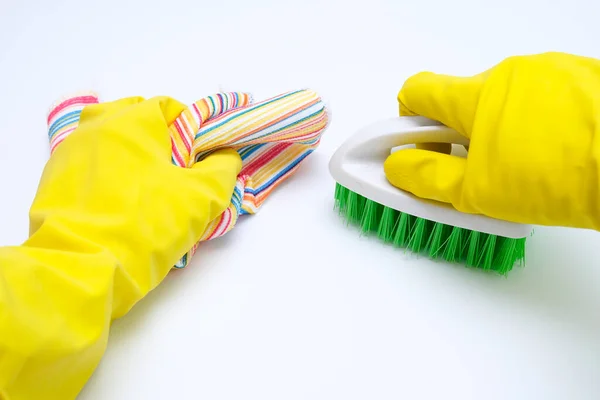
(365, 198)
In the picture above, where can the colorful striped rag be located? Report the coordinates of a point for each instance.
(272, 137)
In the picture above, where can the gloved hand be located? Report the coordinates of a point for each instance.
(534, 129)
(111, 217)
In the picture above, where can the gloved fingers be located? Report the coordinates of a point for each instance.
(95, 113)
(208, 186)
(131, 124)
(448, 99)
(226, 161)
(170, 108)
(427, 174)
(150, 122)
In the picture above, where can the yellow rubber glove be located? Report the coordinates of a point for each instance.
(111, 217)
(534, 126)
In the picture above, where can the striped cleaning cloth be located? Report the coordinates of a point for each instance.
(272, 136)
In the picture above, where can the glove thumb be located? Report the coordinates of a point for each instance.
(205, 189)
(216, 175)
(427, 174)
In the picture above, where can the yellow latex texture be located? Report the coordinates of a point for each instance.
(533, 125)
(111, 217)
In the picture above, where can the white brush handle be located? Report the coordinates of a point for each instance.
(376, 140)
(358, 165)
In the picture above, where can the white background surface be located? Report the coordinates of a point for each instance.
(292, 304)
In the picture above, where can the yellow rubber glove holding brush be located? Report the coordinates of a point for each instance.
(534, 129)
(111, 217)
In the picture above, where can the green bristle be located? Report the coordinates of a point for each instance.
(341, 197)
(419, 235)
(472, 247)
(454, 245)
(505, 254)
(344, 193)
(338, 190)
(353, 209)
(487, 253)
(437, 240)
(520, 251)
(403, 230)
(338, 195)
(465, 240)
(370, 216)
(386, 225)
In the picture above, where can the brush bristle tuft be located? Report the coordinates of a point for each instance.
(434, 239)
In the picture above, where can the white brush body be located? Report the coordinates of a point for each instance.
(358, 166)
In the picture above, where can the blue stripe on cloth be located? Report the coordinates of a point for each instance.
(237, 198)
(214, 107)
(299, 117)
(280, 174)
(63, 121)
(202, 132)
(247, 151)
(182, 262)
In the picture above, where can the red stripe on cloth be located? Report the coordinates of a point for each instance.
(265, 158)
(72, 101)
(176, 155)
